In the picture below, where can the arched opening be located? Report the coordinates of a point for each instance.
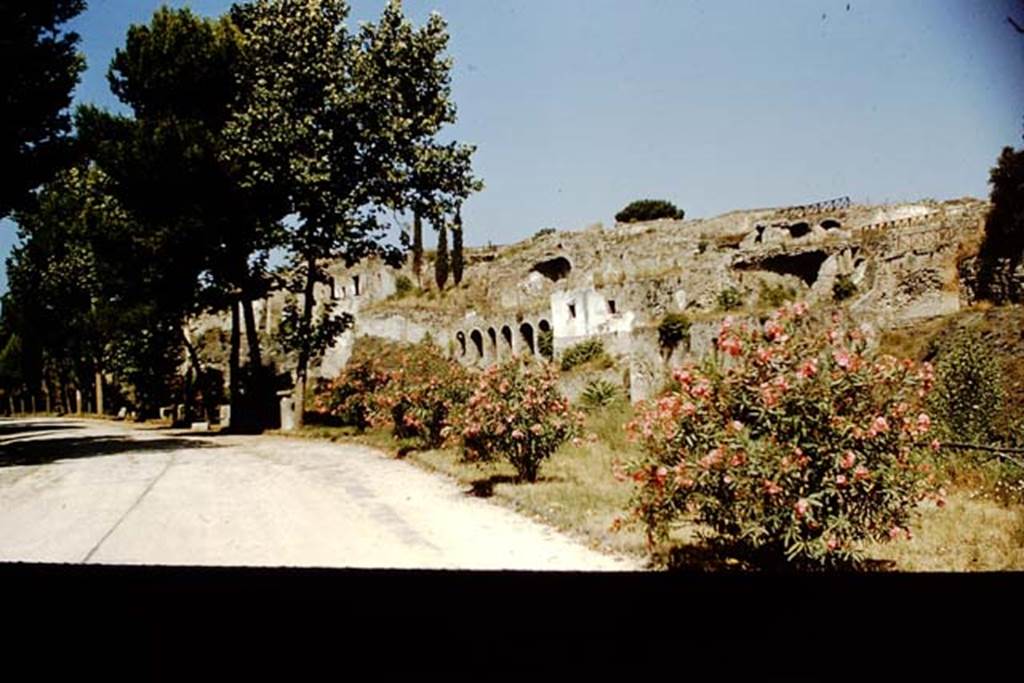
(478, 343)
(461, 337)
(492, 338)
(526, 334)
(830, 224)
(554, 269)
(799, 229)
(545, 340)
(506, 337)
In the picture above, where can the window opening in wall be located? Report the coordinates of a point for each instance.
(355, 284)
(611, 306)
(572, 311)
(334, 289)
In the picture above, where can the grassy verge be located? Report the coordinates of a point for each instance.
(578, 494)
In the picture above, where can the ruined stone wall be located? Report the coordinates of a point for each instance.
(906, 261)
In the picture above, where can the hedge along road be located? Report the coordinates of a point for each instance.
(85, 491)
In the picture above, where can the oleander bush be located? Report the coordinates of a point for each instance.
(793, 449)
(516, 412)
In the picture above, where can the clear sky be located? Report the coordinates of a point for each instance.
(580, 106)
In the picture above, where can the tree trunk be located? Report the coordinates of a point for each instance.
(78, 401)
(194, 371)
(254, 391)
(305, 325)
(252, 336)
(234, 380)
(99, 392)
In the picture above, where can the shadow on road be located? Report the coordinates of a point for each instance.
(43, 451)
(12, 428)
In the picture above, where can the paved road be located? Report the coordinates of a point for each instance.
(94, 492)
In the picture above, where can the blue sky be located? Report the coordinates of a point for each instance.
(580, 106)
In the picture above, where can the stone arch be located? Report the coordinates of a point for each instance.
(554, 269)
(830, 224)
(477, 337)
(799, 229)
(492, 339)
(506, 337)
(526, 335)
(461, 337)
(547, 349)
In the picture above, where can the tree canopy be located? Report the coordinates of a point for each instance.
(42, 67)
(649, 210)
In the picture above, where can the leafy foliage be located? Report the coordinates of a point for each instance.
(543, 232)
(582, 352)
(673, 330)
(42, 67)
(729, 299)
(794, 450)
(403, 286)
(546, 343)
(345, 126)
(1003, 245)
(599, 393)
(774, 296)
(649, 210)
(969, 394)
(517, 412)
(843, 288)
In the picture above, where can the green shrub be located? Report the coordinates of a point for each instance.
(517, 412)
(968, 400)
(599, 393)
(583, 352)
(649, 210)
(774, 296)
(843, 288)
(544, 231)
(796, 451)
(403, 286)
(729, 299)
(546, 343)
(673, 330)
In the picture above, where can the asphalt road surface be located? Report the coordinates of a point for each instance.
(82, 491)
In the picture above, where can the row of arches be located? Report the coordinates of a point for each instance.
(495, 344)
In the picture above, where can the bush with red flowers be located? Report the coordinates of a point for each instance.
(793, 446)
(517, 412)
(423, 392)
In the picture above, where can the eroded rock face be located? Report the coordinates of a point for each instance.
(906, 262)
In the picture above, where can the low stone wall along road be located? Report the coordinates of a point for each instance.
(83, 491)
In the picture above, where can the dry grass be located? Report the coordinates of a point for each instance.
(970, 533)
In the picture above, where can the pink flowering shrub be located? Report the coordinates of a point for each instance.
(795, 446)
(517, 412)
(351, 398)
(422, 393)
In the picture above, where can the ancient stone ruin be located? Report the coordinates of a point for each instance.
(906, 263)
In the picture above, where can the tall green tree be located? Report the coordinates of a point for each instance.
(1003, 246)
(458, 260)
(417, 248)
(178, 74)
(441, 263)
(344, 124)
(41, 68)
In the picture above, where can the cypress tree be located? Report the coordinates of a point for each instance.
(457, 260)
(441, 261)
(417, 248)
